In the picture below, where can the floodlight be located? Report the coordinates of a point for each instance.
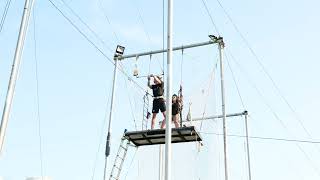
(119, 51)
(213, 37)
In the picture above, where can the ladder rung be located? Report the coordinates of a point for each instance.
(124, 147)
(120, 158)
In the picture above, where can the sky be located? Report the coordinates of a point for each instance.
(277, 81)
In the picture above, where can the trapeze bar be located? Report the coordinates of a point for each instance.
(212, 41)
(157, 136)
(217, 116)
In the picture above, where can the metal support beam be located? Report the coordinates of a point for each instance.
(248, 149)
(212, 41)
(160, 162)
(169, 93)
(221, 46)
(107, 152)
(217, 116)
(15, 69)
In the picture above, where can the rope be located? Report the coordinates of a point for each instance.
(180, 90)
(145, 29)
(4, 15)
(94, 45)
(292, 109)
(181, 66)
(207, 95)
(235, 82)
(37, 92)
(130, 102)
(108, 20)
(104, 123)
(209, 14)
(150, 64)
(210, 83)
(276, 116)
(86, 25)
(265, 138)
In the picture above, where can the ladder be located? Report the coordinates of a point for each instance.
(118, 162)
(146, 114)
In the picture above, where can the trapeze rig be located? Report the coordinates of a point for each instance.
(176, 135)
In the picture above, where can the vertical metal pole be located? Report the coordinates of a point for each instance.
(15, 69)
(248, 150)
(221, 46)
(107, 153)
(160, 162)
(169, 93)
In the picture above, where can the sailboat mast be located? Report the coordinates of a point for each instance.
(168, 99)
(221, 46)
(15, 70)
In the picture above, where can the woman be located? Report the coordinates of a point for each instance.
(176, 109)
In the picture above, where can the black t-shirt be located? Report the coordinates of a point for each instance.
(176, 105)
(157, 89)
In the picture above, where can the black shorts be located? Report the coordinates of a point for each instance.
(175, 109)
(158, 104)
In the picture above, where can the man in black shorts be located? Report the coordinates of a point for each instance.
(158, 100)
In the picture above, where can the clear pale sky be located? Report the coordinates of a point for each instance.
(75, 86)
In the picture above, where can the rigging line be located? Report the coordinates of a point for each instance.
(203, 80)
(259, 91)
(265, 138)
(275, 115)
(235, 81)
(134, 82)
(181, 66)
(315, 168)
(86, 25)
(104, 123)
(130, 102)
(135, 153)
(108, 20)
(37, 91)
(150, 64)
(265, 70)
(253, 137)
(209, 14)
(211, 81)
(4, 15)
(94, 45)
(145, 30)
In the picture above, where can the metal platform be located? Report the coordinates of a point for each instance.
(157, 136)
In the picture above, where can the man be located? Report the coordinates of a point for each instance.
(176, 109)
(158, 100)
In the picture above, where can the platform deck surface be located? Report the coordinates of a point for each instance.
(157, 136)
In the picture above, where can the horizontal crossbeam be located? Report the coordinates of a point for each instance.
(217, 116)
(215, 40)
